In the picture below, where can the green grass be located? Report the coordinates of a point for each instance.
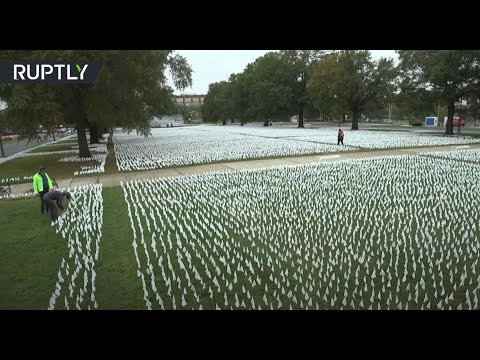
(282, 211)
(473, 135)
(27, 166)
(32, 251)
(110, 164)
(117, 284)
(31, 254)
(50, 148)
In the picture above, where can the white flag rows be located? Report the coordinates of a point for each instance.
(204, 144)
(80, 228)
(364, 234)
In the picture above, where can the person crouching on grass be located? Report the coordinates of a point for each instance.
(55, 196)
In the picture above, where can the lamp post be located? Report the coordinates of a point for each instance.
(335, 97)
(438, 114)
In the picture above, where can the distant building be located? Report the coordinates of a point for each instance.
(189, 100)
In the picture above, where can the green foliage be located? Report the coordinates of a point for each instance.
(299, 65)
(130, 89)
(274, 86)
(269, 94)
(451, 74)
(217, 105)
(416, 105)
(350, 81)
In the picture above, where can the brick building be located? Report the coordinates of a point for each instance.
(189, 100)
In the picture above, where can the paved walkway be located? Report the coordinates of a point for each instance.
(14, 146)
(115, 179)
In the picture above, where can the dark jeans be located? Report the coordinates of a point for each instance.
(52, 208)
(43, 205)
(340, 140)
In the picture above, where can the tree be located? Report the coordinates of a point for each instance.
(454, 74)
(474, 106)
(217, 103)
(260, 92)
(273, 86)
(4, 125)
(240, 95)
(321, 87)
(351, 80)
(416, 104)
(130, 89)
(54, 122)
(300, 64)
(269, 92)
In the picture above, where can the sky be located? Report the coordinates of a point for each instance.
(217, 65)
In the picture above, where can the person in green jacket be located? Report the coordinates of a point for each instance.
(42, 183)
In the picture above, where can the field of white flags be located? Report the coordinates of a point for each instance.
(472, 155)
(204, 144)
(196, 145)
(89, 169)
(81, 228)
(392, 139)
(381, 233)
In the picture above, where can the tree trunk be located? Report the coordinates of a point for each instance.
(93, 134)
(83, 150)
(82, 124)
(355, 117)
(451, 111)
(78, 116)
(1, 147)
(100, 131)
(300, 118)
(53, 134)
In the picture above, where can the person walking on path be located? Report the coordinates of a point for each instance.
(42, 183)
(340, 137)
(55, 196)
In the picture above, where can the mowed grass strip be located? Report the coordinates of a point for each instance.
(117, 284)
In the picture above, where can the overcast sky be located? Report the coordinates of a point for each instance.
(216, 65)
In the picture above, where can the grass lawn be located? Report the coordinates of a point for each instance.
(473, 135)
(28, 165)
(281, 238)
(56, 147)
(117, 283)
(110, 164)
(269, 238)
(31, 253)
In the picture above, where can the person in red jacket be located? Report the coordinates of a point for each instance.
(340, 137)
